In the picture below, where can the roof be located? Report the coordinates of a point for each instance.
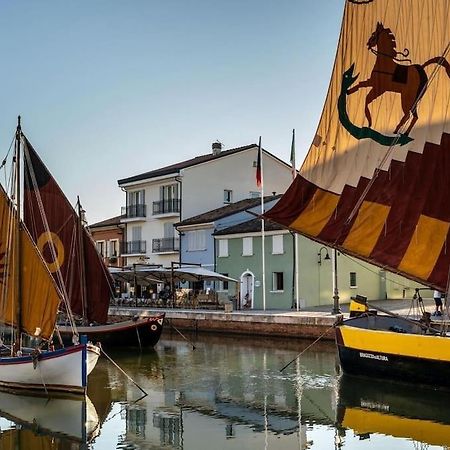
(251, 226)
(107, 222)
(227, 210)
(175, 168)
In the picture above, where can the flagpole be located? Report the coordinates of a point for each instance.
(296, 269)
(262, 226)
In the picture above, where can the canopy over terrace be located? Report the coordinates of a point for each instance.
(144, 276)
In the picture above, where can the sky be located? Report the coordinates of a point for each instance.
(108, 89)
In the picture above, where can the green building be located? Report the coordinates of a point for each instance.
(238, 252)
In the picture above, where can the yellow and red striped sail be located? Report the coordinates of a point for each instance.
(376, 180)
(39, 297)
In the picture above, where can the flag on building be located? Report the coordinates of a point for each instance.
(294, 170)
(258, 166)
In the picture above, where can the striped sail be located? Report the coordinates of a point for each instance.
(376, 180)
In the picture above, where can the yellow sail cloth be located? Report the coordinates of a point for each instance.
(39, 296)
(375, 182)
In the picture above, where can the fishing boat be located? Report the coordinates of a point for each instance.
(59, 232)
(375, 182)
(29, 303)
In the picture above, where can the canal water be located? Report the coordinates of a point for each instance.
(229, 393)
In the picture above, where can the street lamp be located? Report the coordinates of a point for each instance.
(336, 309)
(319, 255)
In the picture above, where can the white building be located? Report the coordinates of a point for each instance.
(156, 200)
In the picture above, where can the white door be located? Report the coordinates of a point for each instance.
(247, 290)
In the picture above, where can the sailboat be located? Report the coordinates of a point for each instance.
(29, 302)
(375, 182)
(74, 262)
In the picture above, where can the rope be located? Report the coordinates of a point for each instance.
(310, 345)
(122, 371)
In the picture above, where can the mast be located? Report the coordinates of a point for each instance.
(82, 261)
(18, 239)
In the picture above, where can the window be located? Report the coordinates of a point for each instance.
(277, 281)
(136, 197)
(169, 192)
(113, 248)
(223, 248)
(255, 194)
(247, 246)
(277, 245)
(224, 286)
(353, 280)
(227, 196)
(169, 230)
(101, 247)
(196, 240)
(136, 233)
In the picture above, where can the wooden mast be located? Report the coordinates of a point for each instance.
(17, 249)
(82, 263)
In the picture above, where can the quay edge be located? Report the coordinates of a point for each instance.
(258, 323)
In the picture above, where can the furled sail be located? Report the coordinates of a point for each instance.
(39, 295)
(376, 180)
(53, 222)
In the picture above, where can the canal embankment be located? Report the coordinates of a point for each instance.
(310, 323)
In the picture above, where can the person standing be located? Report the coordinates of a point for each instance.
(438, 302)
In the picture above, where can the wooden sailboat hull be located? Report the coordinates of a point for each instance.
(393, 348)
(63, 370)
(142, 332)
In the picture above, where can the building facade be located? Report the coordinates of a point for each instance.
(108, 236)
(156, 200)
(239, 255)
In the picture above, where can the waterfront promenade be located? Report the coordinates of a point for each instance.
(307, 323)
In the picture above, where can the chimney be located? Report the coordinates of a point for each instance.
(216, 148)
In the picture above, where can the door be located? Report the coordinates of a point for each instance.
(247, 290)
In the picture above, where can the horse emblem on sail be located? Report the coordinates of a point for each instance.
(389, 74)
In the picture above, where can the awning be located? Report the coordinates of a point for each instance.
(151, 275)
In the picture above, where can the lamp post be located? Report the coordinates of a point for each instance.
(336, 309)
(319, 255)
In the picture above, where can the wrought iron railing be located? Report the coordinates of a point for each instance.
(133, 247)
(167, 206)
(132, 211)
(165, 245)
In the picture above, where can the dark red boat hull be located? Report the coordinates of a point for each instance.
(140, 332)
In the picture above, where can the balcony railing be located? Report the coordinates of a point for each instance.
(165, 245)
(133, 211)
(166, 206)
(133, 247)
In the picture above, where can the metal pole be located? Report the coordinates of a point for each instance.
(336, 309)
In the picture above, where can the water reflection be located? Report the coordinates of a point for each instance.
(30, 422)
(230, 393)
(399, 410)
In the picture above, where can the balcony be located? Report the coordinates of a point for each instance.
(165, 245)
(167, 206)
(134, 247)
(134, 211)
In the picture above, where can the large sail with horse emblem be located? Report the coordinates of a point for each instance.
(376, 180)
(66, 246)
